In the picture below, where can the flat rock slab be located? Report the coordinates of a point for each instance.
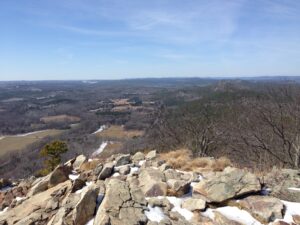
(230, 183)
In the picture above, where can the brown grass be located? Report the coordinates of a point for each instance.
(11, 143)
(60, 118)
(182, 159)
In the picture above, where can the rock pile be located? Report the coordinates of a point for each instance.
(143, 189)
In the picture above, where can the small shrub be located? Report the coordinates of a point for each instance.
(52, 152)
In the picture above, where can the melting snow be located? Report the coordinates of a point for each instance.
(100, 129)
(294, 189)
(19, 198)
(4, 210)
(141, 162)
(292, 208)
(133, 170)
(73, 176)
(233, 213)
(177, 207)
(101, 148)
(91, 222)
(116, 174)
(155, 214)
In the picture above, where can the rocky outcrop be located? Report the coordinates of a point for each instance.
(121, 205)
(79, 161)
(106, 171)
(152, 182)
(59, 175)
(282, 184)
(126, 190)
(264, 208)
(85, 208)
(230, 183)
(194, 204)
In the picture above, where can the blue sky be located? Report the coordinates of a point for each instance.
(112, 39)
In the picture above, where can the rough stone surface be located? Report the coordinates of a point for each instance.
(264, 208)
(59, 175)
(151, 155)
(139, 156)
(230, 183)
(152, 182)
(84, 210)
(123, 160)
(118, 206)
(106, 171)
(194, 204)
(178, 187)
(280, 182)
(79, 161)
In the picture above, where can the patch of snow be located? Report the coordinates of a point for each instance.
(4, 210)
(155, 214)
(177, 207)
(79, 191)
(91, 222)
(133, 169)
(100, 129)
(236, 214)
(101, 148)
(90, 160)
(292, 208)
(116, 174)
(141, 162)
(20, 198)
(2, 137)
(73, 176)
(88, 183)
(209, 213)
(294, 189)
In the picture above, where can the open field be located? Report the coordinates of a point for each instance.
(17, 142)
(119, 132)
(60, 119)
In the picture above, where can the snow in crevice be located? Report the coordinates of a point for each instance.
(4, 210)
(20, 198)
(294, 189)
(187, 214)
(73, 176)
(233, 213)
(141, 162)
(155, 214)
(90, 222)
(100, 129)
(116, 174)
(101, 148)
(133, 169)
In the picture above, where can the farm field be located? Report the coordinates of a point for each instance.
(17, 142)
(119, 132)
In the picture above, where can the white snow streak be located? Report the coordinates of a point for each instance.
(100, 129)
(101, 148)
(155, 214)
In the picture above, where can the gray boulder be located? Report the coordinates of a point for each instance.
(123, 160)
(118, 207)
(230, 183)
(106, 171)
(152, 182)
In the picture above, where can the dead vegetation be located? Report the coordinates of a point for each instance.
(182, 159)
(60, 119)
(119, 132)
